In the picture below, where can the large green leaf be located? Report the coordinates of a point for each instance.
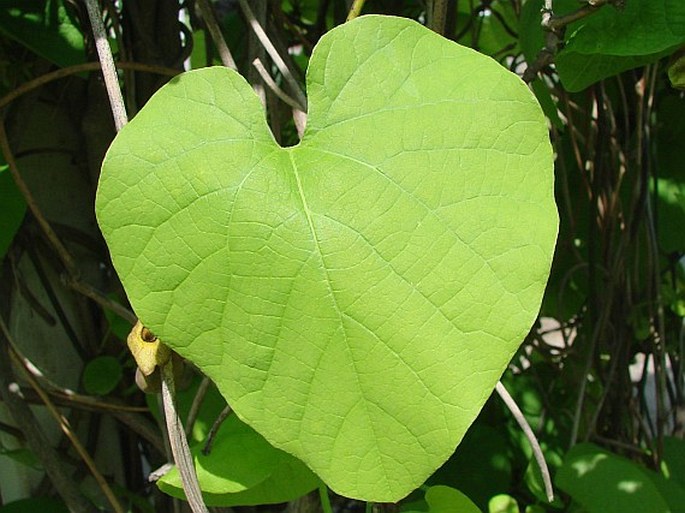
(355, 297)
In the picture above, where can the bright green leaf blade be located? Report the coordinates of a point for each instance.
(243, 469)
(443, 499)
(605, 483)
(101, 375)
(12, 208)
(355, 297)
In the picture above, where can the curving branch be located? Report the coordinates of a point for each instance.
(523, 423)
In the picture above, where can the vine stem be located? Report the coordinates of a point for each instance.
(355, 10)
(178, 441)
(215, 32)
(275, 56)
(271, 84)
(523, 423)
(439, 17)
(325, 499)
(116, 100)
(177, 438)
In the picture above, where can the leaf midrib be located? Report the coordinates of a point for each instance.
(340, 314)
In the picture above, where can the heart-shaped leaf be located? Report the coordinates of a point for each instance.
(355, 297)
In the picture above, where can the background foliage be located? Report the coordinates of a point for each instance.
(599, 378)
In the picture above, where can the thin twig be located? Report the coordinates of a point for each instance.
(554, 27)
(197, 403)
(101, 299)
(216, 35)
(215, 428)
(178, 441)
(63, 422)
(255, 50)
(275, 56)
(131, 416)
(74, 70)
(523, 423)
(264, 74)
(439, 18)
(62, 253)
(552, 22)
(116, 100)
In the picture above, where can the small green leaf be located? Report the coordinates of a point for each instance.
(102, 375)
(605, 483)
(239, 459)
(243, 469)
(503, 503)
(356, 297)
(443, 499)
